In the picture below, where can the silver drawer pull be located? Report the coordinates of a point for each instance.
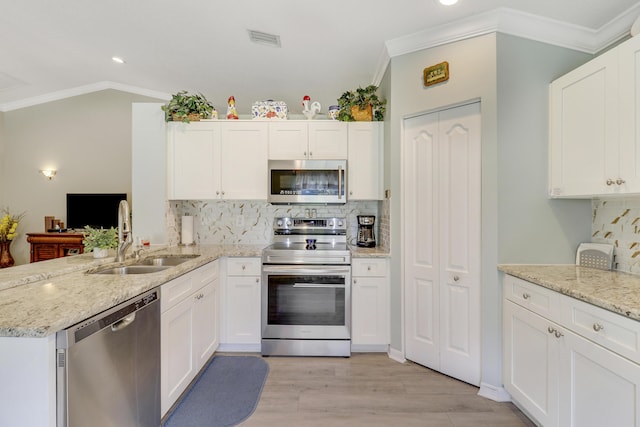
(558, 334)
(597, 327)
(610, 181)
(526, 295)
(550, 330)
(456, 278)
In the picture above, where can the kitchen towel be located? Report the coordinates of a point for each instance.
(187, 230)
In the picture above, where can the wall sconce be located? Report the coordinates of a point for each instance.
(49, 173)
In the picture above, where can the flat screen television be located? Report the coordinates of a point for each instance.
(93, 209)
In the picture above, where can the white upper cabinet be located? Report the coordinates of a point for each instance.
(365, 161)
(301, 140)
(217, 160)
(192, 150)
(243, 166)
(593, 124)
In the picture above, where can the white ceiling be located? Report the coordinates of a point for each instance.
(53, 49)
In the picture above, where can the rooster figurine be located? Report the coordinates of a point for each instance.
(310, 109)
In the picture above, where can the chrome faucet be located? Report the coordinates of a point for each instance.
(125, 237)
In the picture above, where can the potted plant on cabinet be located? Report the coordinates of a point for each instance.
(362, 104)
(185, 107)
(99, 240)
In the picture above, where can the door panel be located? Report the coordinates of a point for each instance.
(442, 183)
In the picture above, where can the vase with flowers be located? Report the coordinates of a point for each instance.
(8, 232)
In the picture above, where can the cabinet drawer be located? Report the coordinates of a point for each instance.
(538, 299)
(176, 290)
(613, 331)
(243, 266)
(369, 267)
(207, 273)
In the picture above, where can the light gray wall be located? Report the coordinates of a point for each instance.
(532, 228)
(510, 76)
(86, 138)
(472, 76)
(2, 157)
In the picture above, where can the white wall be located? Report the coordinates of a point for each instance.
(86, 138)
(510, 76)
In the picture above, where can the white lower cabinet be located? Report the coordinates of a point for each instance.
(241, 304)
(557, 375)
(188, 329)
(370, 304)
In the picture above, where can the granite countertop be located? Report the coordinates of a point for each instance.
(612, 290)
(40, 299)
(59, 293)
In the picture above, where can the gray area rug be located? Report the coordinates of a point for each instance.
(226, 393)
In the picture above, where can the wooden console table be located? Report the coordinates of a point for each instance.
(54, 245)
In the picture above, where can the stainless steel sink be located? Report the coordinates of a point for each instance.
(166, 260)
(131, 269)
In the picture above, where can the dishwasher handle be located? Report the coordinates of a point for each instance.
(123, 323)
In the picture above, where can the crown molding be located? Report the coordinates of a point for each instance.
(82, 90)
(513, 22)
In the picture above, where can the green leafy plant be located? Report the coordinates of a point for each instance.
(182, 104)
(99, 238)
(361, 98)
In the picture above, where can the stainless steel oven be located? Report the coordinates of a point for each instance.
(306, 294)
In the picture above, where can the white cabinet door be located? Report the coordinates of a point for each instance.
(629, 54)
(365, 161)
(584, 130)
(288, 140)
(442, 241)
(597, 387)
(328, 140)
(193, 149)
(241, 304)
(178, 366)
(530, 369)
(243, 310)
(370, 304)
(206, 323)
(243, 164)
(300, 140)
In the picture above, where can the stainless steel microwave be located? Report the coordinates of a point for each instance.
(307, 181)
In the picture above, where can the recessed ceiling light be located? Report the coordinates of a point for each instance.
(448, 2)
(118, 60)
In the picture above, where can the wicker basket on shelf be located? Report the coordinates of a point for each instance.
(359, 115)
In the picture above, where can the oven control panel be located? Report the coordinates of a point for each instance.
(327, 226)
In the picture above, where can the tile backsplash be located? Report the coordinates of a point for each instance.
(617, 221)
(251, 222)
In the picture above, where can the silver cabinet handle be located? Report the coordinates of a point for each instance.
(244, 267)
(257, 280)
(610, 181)
(558, 334)
(456, 278)
(597, 327)
(310, 154)
(550, 330)
(304, 154)
(526, 295)
(620, 181)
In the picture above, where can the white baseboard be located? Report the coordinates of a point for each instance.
(369, 348)
(240, 348)
(396, 355)
(498, 394)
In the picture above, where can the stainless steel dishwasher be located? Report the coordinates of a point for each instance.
(108, 367)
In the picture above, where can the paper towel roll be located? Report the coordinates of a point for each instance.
(187, 230)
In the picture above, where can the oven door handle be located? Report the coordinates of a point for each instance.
(317, 285)
(320, 270)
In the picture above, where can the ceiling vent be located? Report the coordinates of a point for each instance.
(264, 38)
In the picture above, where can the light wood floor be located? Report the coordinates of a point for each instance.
(369, 389)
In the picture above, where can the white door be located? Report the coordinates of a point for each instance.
(442, 241)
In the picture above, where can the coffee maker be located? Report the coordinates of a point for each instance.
(366, 236)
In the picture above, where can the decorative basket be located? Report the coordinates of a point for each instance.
(359, 115)
(193, 117)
